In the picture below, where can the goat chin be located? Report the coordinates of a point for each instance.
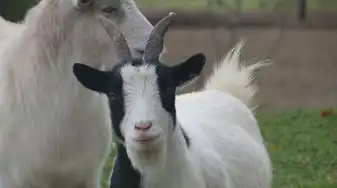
(54, 132)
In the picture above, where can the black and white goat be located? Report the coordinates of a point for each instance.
(206, 139)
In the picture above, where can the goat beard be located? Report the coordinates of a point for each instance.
(149, 162)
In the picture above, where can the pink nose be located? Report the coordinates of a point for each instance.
(143, 126)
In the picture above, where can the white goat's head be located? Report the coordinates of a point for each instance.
(130, 21)
(126, 15)
(141, 94)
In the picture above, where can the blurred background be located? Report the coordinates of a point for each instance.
(300, 36)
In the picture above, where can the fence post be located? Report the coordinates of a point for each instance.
(302, 10)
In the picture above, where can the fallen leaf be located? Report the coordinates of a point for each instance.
(326, 113)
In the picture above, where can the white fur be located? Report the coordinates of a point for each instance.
(8, 28)
(53, 131)
(227, 149)
(234, 77)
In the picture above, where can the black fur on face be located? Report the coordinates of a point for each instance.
(124, 175)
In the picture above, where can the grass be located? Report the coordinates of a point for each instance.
(303, 148)
(247, 5)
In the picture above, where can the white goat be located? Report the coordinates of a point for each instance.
(207, 139)
(53, 132)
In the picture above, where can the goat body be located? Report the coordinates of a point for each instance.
(226, 147)
(8, 28)
(53, 132)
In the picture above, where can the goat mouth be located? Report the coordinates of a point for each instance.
(146, 139)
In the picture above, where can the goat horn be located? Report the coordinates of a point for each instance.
(122, 47)
(155, 41)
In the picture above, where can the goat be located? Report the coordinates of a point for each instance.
(47, 118)
(202, 139)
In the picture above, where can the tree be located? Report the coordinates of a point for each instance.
(15, 10)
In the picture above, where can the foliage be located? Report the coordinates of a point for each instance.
(238, 5)
(15, 10)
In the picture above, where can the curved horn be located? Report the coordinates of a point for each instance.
(155, 41)
(122, 47)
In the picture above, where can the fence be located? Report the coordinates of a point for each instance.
(15, 9)
(299, 36)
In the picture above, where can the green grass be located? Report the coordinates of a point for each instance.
(303, 148)
(247, 5)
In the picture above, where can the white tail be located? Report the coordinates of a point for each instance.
(234, 77)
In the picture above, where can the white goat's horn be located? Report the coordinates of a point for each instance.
(122, 47)
(155, 41)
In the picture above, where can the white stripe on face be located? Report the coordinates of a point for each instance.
(142, 101)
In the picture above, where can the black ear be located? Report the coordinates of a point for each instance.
(91, 78)
(189, 69)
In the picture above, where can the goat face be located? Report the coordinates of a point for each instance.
(142, 104)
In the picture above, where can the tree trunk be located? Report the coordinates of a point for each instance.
(302, 10)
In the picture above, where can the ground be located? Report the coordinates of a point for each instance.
(303, 148)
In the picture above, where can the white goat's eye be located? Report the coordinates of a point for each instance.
(109, 9)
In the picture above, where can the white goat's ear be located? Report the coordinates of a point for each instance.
(91, 78)
(188, 70)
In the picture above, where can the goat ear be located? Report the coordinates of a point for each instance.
(188, 70)
(91, 78)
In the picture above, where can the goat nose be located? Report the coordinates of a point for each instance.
(143, 126)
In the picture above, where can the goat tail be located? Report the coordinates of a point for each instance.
(231, 75)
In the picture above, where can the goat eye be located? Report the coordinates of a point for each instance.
(109, 9)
